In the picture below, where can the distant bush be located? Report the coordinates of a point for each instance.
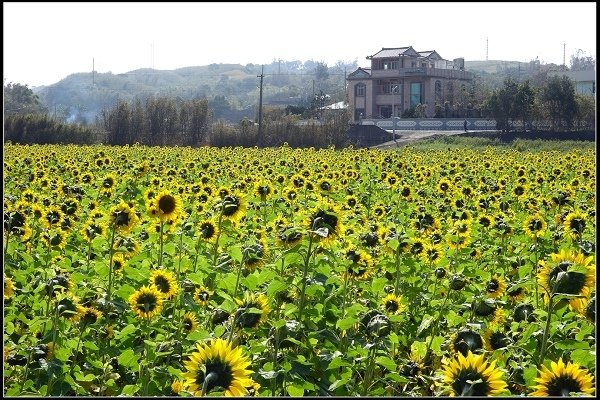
(40, 129)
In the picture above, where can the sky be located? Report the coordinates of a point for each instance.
(45, 42)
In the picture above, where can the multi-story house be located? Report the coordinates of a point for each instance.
(400, 78)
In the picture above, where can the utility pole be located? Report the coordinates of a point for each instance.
(93, 72)
(564, 53)
(261, 76)
(487, 46)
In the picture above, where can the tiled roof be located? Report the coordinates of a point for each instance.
(394, 52)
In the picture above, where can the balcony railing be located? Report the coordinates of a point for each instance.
(422, 71)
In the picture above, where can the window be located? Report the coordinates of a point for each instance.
(359, 113)
(385, 111)
(360, 90)
(415, 94)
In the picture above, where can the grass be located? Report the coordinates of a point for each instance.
(537, 145)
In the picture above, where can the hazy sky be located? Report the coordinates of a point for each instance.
(45, 42)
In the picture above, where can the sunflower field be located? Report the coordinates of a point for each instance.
(154, 271)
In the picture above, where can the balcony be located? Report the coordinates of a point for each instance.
(421, 72)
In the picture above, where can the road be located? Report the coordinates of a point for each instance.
(405, 137)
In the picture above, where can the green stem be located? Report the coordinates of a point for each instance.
(397, 262)
(160, 255)
(237, 281)
(110, 269)
(209, 378)
(546, 330)
(304, 275)
(534, 273)
(434, 331)
(6, 246)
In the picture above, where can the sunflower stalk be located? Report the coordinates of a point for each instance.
(305, 270)
(534, 272)
(237, 282)
(549, 311)
(436, 326)
(110, 267)
(160, 238)
(209, 378)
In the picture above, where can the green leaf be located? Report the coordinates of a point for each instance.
(346, 323)
(91, 345)
(436, 345)
(570, 344)
(130, 390)
(529, 374)
(128, 359)
(236, 253)
(251, 282)
(338, 362)
(378, 284)
(427, 320)
(419, 349)
(126, 331)
(386, 362)
(295, 390)
(585, 358)
(394, 376)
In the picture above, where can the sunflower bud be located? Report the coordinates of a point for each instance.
(440, 273)
(457, 282)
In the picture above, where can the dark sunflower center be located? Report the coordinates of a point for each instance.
(444, 186)
(498, 340)
(147, 302)
(53, 217)
(577, 225)
(412, 368)
(466, 341)
(523, 312)
(572, 284)
(405, 192)
(483, 309)
(162, 284)
(187, 324)
(519, 190)
(391, 306)
(417, 248)
(562, 386)
(90, 317)
(121, 218)
(66, 308)
(329, 220)
(246, 319)
(14, 221)
(224, 375)
(203, 296)
(166, 204)
(370, 239)
(493, 286)
(231, 205)
(463, 388)
(535, 225)
(208, 230)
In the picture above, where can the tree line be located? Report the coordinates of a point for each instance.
(556, 103)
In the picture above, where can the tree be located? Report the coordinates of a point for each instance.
(524, 102)
(20, 99)
(321, 71)
(559, 98)
(501, 104)
(582, 62)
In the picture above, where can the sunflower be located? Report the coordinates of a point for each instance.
(563, 379)
(432, 253)
(9, 288)
(168, 206)
(253, 389)
(92, 229)
(69, 308)
(535, 226)
(202, 296)
(444, 186)
(326, 219)
(190, 323)
(466, 341)
(58, 284)
(118, 262)
(232, 206)
(361, 264)
(208, 230)
(90, 315)
(254, 256)
(575, 224)
(164, 281)
(590, 310)
(54, 238)
(568, 273)
(263, 189)
(393, 304)
(53, 217)
(217, 364)
(123, 218)
(470, 375)
(495, 287)
(288, 235)
(523, 312)
(516, 294)
(146, 302)
(494, 338)
(245, 317)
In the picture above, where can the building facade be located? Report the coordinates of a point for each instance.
(401, 78)
(584, 81)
